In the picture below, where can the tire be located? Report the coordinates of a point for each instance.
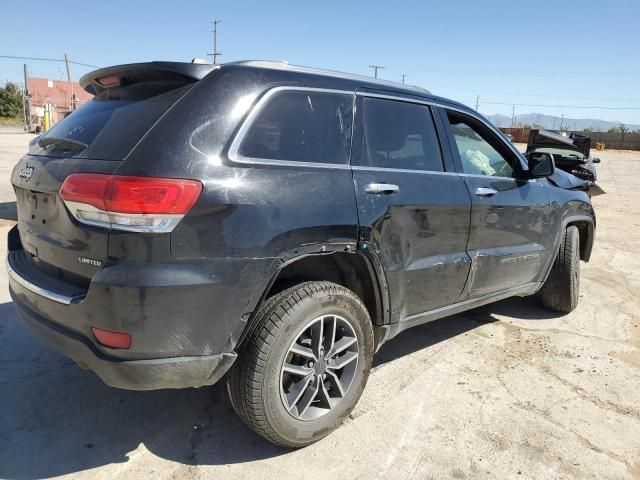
(272, 401)
(561, 290)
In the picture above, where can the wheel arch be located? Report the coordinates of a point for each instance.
(586, 228)
(350, 268)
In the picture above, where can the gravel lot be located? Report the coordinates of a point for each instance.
(504, 391)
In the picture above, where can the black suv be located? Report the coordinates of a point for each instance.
(277, 224)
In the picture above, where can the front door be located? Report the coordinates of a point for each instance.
(509, 212)
(413, 215)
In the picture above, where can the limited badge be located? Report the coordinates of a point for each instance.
(90, 261)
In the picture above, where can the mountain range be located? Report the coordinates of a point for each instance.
(554, 123)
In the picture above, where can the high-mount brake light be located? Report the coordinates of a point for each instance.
(140, 204)
(110, 81)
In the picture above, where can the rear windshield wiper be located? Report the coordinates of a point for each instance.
(66, 142)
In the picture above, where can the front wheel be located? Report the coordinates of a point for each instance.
(303, 368)
(561, 290)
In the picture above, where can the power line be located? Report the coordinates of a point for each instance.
(531, 73)
(598, 107)
(39, 59)
(523, 94)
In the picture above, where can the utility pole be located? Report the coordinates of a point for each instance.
(513, 117)
(561, 121)
(375, 69)
(24, 107)
(215, 53)
(404, 75)
(477, 101)
(74, 103)
(27, 104)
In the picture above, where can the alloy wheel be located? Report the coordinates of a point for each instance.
(319, 367)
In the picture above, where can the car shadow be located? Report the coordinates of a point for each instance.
(57, 419)
(429, 334)
(8, 211)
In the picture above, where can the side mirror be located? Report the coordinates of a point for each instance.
(540, 164)
(595, 160)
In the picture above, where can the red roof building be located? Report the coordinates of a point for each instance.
(58, 94)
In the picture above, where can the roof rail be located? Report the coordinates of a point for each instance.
(283, 65)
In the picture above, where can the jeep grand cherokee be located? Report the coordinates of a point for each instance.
(276, 224)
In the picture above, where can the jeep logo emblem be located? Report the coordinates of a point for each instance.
(26, 173)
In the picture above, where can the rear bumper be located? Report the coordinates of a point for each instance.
(147, 374)
(184, 317)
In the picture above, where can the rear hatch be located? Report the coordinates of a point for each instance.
(97, 138)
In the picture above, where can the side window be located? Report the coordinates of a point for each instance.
(400, 135)
(480, 151)
(303, 126)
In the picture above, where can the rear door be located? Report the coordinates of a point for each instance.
(413, 214)
(509, 212)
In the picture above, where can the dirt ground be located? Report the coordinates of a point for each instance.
(504, 391)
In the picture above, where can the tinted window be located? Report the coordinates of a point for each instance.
(479, 148)
(114, 121)
(400, 135)
(302, 126)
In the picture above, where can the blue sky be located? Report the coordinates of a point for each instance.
(566, 53)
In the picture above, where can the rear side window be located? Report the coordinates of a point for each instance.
(302, 126)
(112, 123)
(400, 135)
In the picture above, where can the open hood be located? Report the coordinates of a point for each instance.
(545, 139)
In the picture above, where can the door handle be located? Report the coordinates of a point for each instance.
(384, 188)
(485, 191)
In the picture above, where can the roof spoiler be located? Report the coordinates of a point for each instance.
(98, 80)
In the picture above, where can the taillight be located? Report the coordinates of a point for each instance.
(140, 204)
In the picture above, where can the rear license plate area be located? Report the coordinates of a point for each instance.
(36, 213)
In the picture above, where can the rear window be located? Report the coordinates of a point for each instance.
(112, 123)
(302, 126)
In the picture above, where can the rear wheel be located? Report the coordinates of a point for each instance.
(561, 290)
(303, 368)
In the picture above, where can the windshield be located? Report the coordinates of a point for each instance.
(563, 152)
(110, 125)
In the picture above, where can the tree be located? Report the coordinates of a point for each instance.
(587, 130)
(614, 130)
(10, 101)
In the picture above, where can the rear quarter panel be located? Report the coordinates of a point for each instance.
(249, 215)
